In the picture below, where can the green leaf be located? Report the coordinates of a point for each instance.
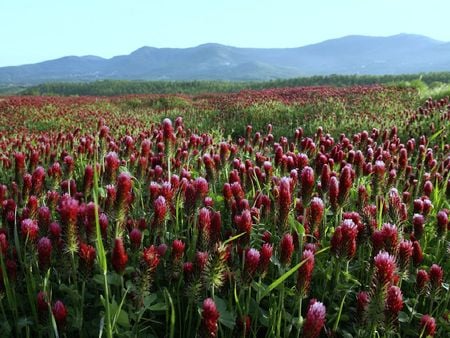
(123, 319)
(227, 318)
(149, 300)
(158, 307)
(403, 317)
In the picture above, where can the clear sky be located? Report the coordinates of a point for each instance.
(37, 30)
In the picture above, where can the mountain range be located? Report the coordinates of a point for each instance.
(355, 54)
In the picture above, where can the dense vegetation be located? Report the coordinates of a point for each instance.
(305, 212)
(112, 87)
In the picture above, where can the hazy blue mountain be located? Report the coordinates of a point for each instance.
(398, 54)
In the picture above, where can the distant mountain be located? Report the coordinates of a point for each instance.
(398, 54)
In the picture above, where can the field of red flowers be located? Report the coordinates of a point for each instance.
(307, 212)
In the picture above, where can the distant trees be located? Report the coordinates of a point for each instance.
(122, 87)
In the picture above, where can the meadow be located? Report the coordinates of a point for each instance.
(286, 212)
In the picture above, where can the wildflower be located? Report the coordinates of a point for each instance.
(307, 184)
(343, 242)
(305, 272)
(316, 212)
(315, 319)
(417, 253)
(405, 251)
(418, 224)
(150, 257)
(44, 248)
(210, 316)
(160, 212)
(252, 259)
(436, 275)
(29, 229)
(384, 268)
(427, 326)
(87, 256)
(68, 211)
(345, 183)
(285, 201)
(265, 256)
(287, 248)
(42, 303)
(334, 192)
(177, 249)
(422, 280)
(362, 304)
(119, 256)
(135, 237)
(442, 222)
(394, 303)
(60, 313)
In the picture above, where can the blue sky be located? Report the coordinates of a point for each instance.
(37, 30)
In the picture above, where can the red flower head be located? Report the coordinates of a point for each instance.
(244, 222)
(316, 212)
(3, 243)
(345, 183)
(204, 225)
(177, 249)
(394, 302)
(44, 217)
(201, 188)
(315, 319)
(124, 186)
(160, 209)
(44, 248)
(287, 248)
(325, 178)
(201, 259)
(112, 164)
(167, 129)
(417, 253)
(150, 257)
(436, 275)
(419, 225)
(305, 272)
(119, 256)
(60, 313)
(362, 303)
(135, 237)
(422, 280)
(42, 303)
(427, 326)
(405, 251)
(29, 229)
(307, 184)
(285, 201)
(210, 316)
(390, 237)
(343, 242)
(88, 180)
(266, 255)
(87, 255)
(38, 180)
(385, 268)
(252, 259)
(334, 192)
(442, 222)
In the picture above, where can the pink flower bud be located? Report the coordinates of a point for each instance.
(427, 326)
(210, 317)
(287, 249)
(315, 320)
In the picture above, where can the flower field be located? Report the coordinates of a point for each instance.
(304, 212)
